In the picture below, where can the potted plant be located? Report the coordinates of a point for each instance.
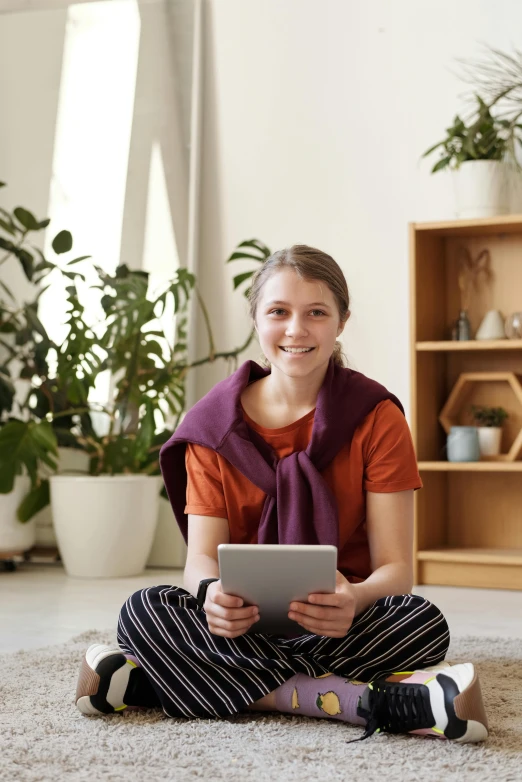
(98, 528)
(489, 422)
(28, 440)
(120, 493)
(476, 152)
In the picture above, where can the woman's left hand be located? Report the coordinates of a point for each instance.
(327, 614)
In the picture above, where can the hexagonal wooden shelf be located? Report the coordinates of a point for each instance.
(449, 415)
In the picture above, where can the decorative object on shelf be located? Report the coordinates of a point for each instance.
(471, 271)
(463, 444)
(513, 326)
(451, 413)
(492, 326)
(462, 329)
(477, 152)
(489, 422)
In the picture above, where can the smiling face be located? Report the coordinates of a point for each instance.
(292, 312)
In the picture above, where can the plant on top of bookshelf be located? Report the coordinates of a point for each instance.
(481, 146)
(483, 137)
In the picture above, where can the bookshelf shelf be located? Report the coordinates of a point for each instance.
(471, 344)
(468, 517)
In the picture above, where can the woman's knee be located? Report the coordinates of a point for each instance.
(433, 628)
(146, 601)
(420, 610)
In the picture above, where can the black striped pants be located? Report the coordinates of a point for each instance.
(197, 674)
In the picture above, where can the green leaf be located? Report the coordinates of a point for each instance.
(241, 278)
(6, 289)
(445, 161)
(35, 322)
(235, 256)
(26, 218)
(25, 258)
(258, 244)
(146, 430)
(43, 434)
(7, 227)
(62, 242)
(33, 502)
(13, 442)
(7, 392)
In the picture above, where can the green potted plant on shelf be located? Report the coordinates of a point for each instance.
(478, 152)
(489, 422)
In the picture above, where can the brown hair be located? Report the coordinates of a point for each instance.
(309, 264)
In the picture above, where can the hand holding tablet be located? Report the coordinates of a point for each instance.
(271, 576)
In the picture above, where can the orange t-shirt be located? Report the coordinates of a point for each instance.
(380, 458)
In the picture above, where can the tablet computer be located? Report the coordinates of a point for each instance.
(271, 576)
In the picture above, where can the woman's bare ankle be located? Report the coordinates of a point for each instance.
(267, 703)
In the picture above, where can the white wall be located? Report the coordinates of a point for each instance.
(30, 64)
(316, 113)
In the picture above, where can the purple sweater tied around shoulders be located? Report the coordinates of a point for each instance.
(299, 508)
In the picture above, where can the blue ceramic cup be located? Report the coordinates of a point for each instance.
(463, 444)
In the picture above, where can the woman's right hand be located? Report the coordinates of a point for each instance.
(226, 615)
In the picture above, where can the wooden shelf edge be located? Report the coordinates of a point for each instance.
(509, 222)
(470, 344)
(510, 557)
(482, 466)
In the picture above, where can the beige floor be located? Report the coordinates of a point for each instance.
(41, 605)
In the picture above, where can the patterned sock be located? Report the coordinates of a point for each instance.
(324, 696)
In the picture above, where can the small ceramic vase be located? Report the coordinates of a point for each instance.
(463, 444)
(492, 326)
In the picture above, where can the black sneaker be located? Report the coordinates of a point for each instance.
(111, 681)
(443, 701)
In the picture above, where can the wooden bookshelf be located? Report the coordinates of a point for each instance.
(468, 516)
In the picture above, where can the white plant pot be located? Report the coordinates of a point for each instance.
(69, 459)
(105, 524)
(489, 440)
(481, 188)
(169, 550)
(15, 535)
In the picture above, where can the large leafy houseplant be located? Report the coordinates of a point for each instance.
(29, 438)
(149, 371)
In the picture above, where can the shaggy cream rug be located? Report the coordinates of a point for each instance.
(43, 737)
